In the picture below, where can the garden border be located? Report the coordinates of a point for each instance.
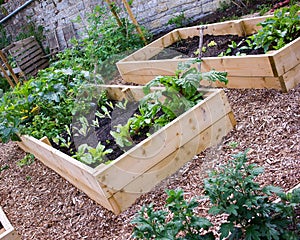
(7, 232)
(117, 185)
(277, 69)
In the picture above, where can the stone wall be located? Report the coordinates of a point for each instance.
(57, 16)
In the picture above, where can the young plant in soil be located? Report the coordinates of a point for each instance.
(232, 191)
(160, 107)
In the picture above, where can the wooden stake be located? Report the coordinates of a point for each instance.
(9, 67)
(6, 76)
(134, 21)
(110, 5)
(200, 45)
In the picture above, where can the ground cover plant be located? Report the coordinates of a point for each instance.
(276, 32)
(232, 190)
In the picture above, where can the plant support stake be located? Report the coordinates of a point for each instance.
(134, 20)
(113, 11)
(200, 45)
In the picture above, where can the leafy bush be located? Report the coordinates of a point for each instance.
(251, 214)
(181, 224)
(41, 106)
(105, 44)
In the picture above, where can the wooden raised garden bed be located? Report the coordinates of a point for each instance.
(7, 232)
(277, 70)
(117, 185)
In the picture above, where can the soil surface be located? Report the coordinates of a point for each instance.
(213, 46)
(42, 205)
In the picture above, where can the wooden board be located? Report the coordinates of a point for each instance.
(8, 232)
(117, 185)
(266, 70)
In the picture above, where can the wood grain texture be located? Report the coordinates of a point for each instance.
(8, 232)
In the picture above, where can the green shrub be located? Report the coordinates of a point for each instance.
(232, 191)
(105, 44)
(153, 224)
(251, 214)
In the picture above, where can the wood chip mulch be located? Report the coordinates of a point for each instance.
(42, 205)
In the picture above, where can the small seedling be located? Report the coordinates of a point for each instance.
(84, 129)
(122, 105)
(26, 161)
(4, 167)
(233, 144)
(211, 44)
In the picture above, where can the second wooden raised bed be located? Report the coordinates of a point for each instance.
(116, 186)
(7, 231)
(277, 70)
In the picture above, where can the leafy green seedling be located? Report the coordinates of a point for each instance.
(212, 44)
(90, 155)
(122, 135)
(233, 144)
(26, 161)
(4, 167)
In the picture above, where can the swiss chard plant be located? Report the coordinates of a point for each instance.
(278, 30)
(160, 107)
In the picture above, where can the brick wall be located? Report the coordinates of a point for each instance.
(57, 15)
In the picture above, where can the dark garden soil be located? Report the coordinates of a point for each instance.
(213, 46)
(102, 133)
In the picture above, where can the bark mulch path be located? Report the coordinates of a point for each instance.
(42, 205)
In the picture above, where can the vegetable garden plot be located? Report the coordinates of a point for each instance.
(279, 69)
(7, 232)
(117, 185)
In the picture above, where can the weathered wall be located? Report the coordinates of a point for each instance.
(58, 15)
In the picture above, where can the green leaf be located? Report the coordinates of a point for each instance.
(252, 233)
(257, 171)
(225, 229)
(272, 189)
(214, 210)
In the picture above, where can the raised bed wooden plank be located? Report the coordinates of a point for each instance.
(170, 164)
(7, 232)
(143, 72)
(140, 68)
(144, 156)
(287, 57)
(108, 184)
(77, 173)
